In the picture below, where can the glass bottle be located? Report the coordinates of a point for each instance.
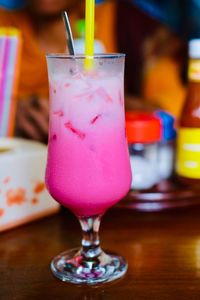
(188, 144)
(144, 134)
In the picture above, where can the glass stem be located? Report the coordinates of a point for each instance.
(90, 241)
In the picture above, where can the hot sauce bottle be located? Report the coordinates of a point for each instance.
(188, 142)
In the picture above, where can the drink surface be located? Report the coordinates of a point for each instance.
(88, 168)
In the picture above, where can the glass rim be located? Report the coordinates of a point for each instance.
(83, 56)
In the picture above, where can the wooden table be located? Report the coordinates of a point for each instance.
(163, 251)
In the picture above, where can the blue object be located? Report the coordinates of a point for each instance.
(99, 1)
(12, 4)
(182, 16)
(167, 120)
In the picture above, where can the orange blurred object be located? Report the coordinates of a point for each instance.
(162, 86)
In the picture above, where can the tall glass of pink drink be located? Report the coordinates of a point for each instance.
(88, 167)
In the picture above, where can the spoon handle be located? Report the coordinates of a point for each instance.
(69, 36)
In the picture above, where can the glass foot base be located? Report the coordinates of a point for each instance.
(72, 267)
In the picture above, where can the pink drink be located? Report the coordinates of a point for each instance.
(88, 167)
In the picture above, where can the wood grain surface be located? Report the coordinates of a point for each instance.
(162, 249)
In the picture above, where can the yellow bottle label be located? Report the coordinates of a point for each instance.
(194, 70)
(188, 153)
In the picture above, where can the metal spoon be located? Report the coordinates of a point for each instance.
(69, 36)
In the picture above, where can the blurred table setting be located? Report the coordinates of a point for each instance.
(23, 196)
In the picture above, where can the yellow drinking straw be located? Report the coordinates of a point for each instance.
(89, 34)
